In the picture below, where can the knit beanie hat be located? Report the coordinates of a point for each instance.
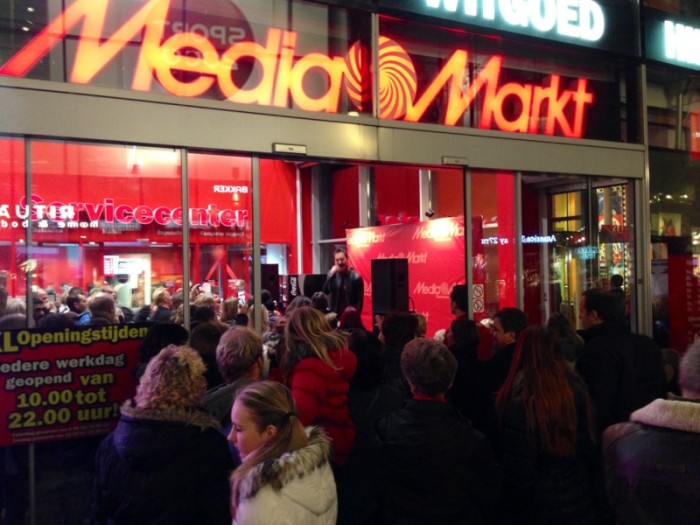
(690, 368)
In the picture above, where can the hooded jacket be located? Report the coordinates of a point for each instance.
(296, 488)
(653, 466)
(162, 467)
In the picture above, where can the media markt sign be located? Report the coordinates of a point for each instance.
(601, 24)
(550, 107)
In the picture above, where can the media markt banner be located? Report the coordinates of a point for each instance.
(65, 384)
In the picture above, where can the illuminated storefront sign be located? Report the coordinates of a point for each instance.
(550, 107)
(672, 41)
(600, 24)
(578, 19)
(88, 214)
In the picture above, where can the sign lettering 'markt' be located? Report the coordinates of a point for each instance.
(284, 73)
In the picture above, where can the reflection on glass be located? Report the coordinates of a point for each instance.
(493, 241)
(113, 224)
(568, 252)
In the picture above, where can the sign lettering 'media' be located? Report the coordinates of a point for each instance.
(188, 64)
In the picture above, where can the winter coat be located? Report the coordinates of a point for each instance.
(539, 487)
(295, 489)
(162, 467)
(623, 371)
(434, 467)
(321, 394)
(653, 465)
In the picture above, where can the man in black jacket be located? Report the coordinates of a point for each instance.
(434, 467)
(623, 371)
(344, 285)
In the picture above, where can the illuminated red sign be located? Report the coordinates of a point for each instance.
(65, 214)
(188, 64)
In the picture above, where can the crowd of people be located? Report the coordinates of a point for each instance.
(322, 421)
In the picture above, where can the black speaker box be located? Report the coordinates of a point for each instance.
(389, 285)
(270, 279)
(312, 283)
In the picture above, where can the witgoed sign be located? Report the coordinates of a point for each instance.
(600, 24)
(65, 384)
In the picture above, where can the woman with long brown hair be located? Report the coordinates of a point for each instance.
(318, 366)
(285, 476)
(549, 451)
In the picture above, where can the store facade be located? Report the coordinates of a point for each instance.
(672, 42)
(163, 142)
(236, 144)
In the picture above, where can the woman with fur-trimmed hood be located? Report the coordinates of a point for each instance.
(285, 477)
(166, 462)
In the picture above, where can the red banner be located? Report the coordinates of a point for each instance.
(683, 301)
(65, 384)
(435, 253)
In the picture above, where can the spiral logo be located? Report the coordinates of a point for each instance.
(397, 80)
(398, 83)
(357, 77)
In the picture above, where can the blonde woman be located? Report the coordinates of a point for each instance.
(166, 462)
(285, 477)
(318, 366)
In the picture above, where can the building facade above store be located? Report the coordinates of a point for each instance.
(672, 39)
(598, 24)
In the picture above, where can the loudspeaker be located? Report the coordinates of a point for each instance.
(270, 280)
(389, 285)
(312, 283)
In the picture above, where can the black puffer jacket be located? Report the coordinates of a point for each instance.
(542, 488)
(434, 467)
(162, 468)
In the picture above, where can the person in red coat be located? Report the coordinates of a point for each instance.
(318, 366)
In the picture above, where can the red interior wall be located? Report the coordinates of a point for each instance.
(396, 190)
(346, 200)
(448, 192)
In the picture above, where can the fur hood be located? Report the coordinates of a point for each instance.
(678, 414)
(290, 466)
(188, 416)
(148, 439)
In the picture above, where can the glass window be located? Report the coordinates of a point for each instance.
(12, 236)
(493, 241)
(113, 223)
(587, 237)
(220, 199)
(278, 216)
(674, 178)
